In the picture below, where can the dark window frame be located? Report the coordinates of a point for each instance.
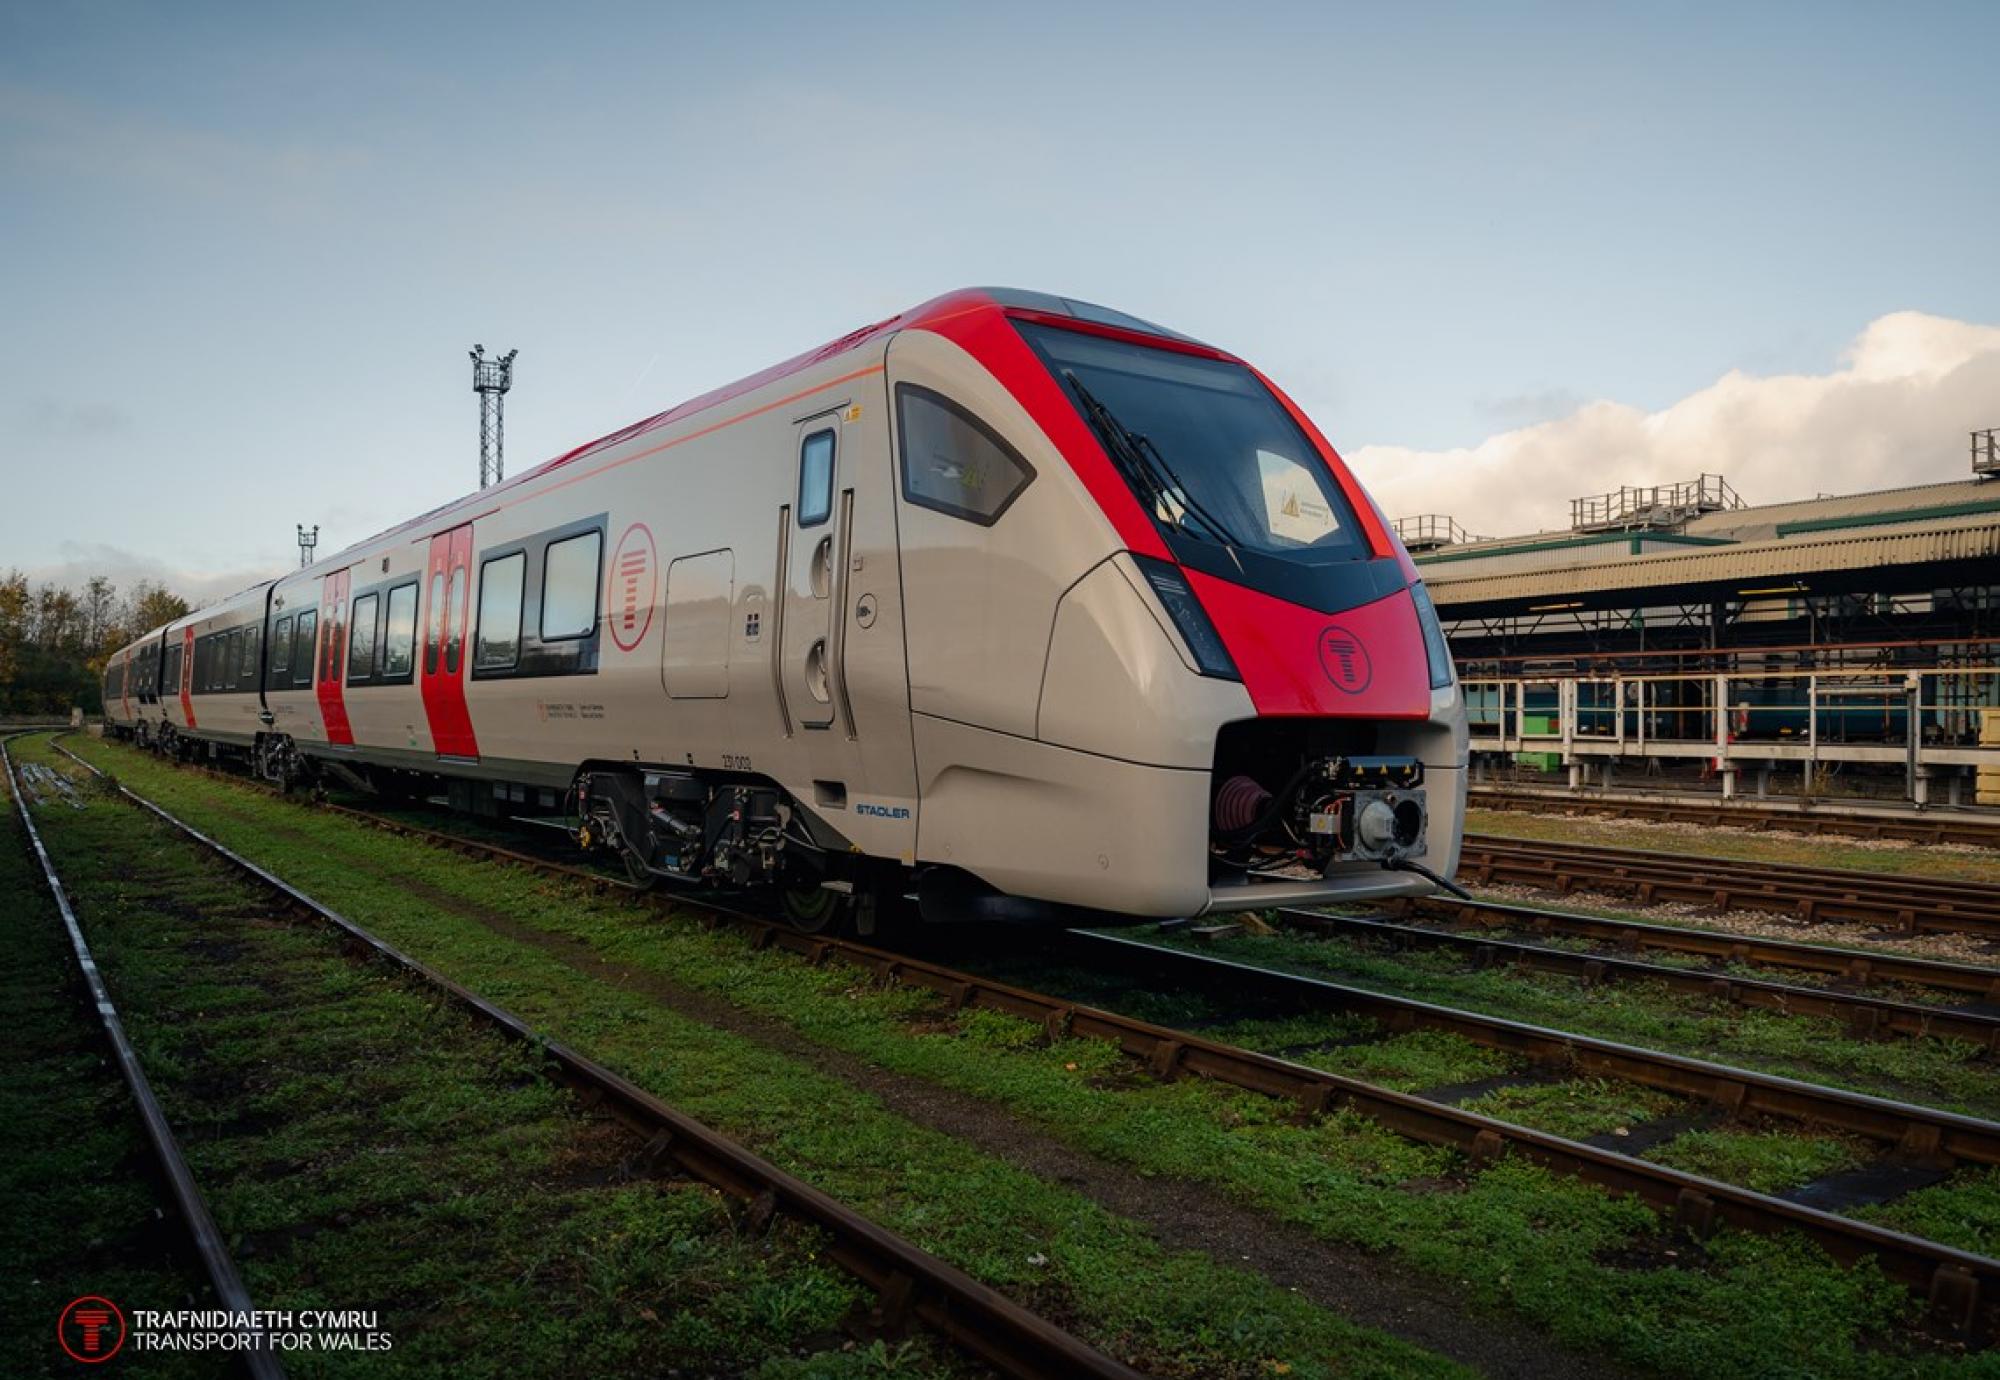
(280, 650)
(413, 583)
(542, 634)
(366, 674)
(535, 656)
(832, 472)
(306, 628)
(486, 563)
(905, 391)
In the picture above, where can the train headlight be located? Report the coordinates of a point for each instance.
(1436, 650)
(1189, 617)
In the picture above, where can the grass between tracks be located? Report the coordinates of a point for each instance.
(1056, 1252)
(1941, 1073)
(363, 1146)
(1581, 1263)
(1860, 855)
(83, 1209)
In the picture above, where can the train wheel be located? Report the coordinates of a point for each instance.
(642, 876)
(815, 910)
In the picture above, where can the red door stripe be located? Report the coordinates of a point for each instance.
(333, 658)
(187, 674)
(447, 602)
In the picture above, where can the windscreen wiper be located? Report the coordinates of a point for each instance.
(1142, 461)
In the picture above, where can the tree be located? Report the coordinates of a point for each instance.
(55, 644)
(153, 605)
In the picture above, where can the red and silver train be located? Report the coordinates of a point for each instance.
(1020, 606)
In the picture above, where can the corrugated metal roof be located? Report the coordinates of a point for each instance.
(1748, 563)
(1751, 524)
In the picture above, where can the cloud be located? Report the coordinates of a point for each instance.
(78, 561)
(1895, 411)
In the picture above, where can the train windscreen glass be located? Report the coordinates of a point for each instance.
(1233, 484)
(1209, 451)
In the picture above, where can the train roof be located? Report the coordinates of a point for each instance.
(961, 302)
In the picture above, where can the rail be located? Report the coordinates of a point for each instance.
(1863, 1015)
(1893, 901)
(189, 1204)
(1962, 1288)
(1837, 820)
(909, 1281)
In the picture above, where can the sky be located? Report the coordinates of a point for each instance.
(1503, 255)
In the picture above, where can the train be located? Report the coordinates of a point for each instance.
(1010, 607)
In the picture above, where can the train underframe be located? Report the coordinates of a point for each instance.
(1289, 801)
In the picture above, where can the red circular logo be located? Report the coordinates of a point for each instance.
(631, 585)
(91, 1329)
(1344, 660)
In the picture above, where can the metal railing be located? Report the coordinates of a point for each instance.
(1654, 505)
(1919, 719)
(1428, 531)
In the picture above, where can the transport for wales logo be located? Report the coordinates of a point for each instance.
(91, 1329)
(1344, 660)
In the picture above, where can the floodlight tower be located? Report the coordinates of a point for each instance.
(307, 541)
(491, 378)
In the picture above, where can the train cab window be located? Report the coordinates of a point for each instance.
(281, 648)
(302, 648)
(815, 478)
(361, 641)
(499, 641)
(569, 586)
(399, 633)
(952, 461)
(454, 622)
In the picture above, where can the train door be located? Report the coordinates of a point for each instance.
(840, 672)
(333, 658)
(818, 532)
(442, 671)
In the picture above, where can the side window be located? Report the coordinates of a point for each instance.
(302, 648)
(454, 621)
(281, 647)
(499, 642)
(435, 638)
(232, 662)
(815, 478)
(248, 667)
(361, 641)
(399, 634)
(569, 586)
(952, 461)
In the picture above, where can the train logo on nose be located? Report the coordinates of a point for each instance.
(1344, 660)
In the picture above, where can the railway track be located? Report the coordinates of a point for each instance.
(910, 1283)
(1961, 980)
(1962, 1288)
(1890, 901)
(1916, 828)
(1863, 1015)
(189, 1205)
